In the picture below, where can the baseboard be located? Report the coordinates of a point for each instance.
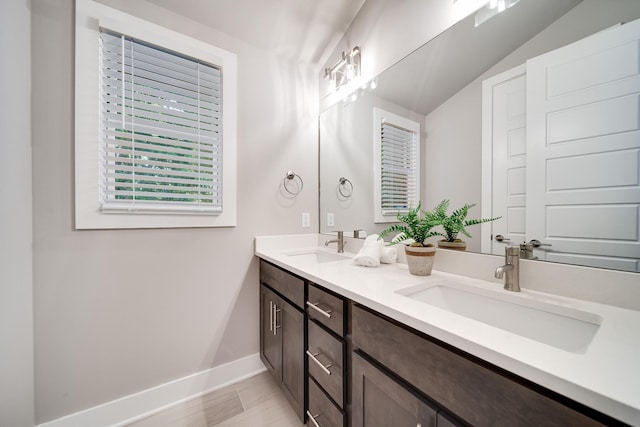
(139, 405)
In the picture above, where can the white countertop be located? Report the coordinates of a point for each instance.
(605, 377)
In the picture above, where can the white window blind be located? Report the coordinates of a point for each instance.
(399, 168)
(161, 129)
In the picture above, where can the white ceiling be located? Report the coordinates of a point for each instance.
(304, 30)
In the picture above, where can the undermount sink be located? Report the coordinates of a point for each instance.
(561, 327)
(318, 255)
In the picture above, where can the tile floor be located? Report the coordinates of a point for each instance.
(255, 402)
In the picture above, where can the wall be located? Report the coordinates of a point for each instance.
(16, 254)
(348, 128)
(388, 30)
(447, 139)
(121, 311)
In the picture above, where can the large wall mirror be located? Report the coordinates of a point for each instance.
(440, 86)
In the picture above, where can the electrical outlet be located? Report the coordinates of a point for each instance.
(330, 220)
(306, 219)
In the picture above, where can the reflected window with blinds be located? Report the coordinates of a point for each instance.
(161, 130)
(397, 151)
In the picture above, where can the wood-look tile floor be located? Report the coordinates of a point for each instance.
(257, 401)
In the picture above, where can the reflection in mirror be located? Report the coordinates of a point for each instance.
(440, 86)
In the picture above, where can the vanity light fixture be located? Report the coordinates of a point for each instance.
(492, 8)
(365, 88)
(346, 69)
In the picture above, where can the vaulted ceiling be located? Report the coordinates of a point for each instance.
(304, 30)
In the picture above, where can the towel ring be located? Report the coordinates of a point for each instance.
(347, 186)
(289, 177)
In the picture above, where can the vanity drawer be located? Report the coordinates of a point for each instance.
(326, 361)
(286, 284)
(322, 412)
(326, 308)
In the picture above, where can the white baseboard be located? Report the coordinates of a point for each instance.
(139, 405)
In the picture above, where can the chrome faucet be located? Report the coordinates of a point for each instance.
(340, 241)
(511, 269)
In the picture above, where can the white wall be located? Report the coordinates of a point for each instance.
(16, 254)
(180, 300)
(454, 130)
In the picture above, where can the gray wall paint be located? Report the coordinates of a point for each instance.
(181, 300)
(16, 255)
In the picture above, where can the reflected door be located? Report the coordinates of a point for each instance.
(583, 150)
(504, 115)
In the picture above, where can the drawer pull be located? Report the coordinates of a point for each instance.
(314, 357)
(270, 316)
(312, 418)
(314, 305)
(276, 310)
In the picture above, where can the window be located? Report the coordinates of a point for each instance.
(161, 135)
(396, 165)
(155, 125)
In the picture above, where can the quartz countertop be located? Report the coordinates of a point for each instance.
(606, 376)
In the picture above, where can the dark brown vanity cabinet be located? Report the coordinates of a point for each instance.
(326, 358)
(282, 333)
(475, 392)
(340, 363)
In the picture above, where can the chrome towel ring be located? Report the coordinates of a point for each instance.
(290, 180)
(345, 187)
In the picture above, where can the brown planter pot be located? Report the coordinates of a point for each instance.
(420, 259)
(457, 246)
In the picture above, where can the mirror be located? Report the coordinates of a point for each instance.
(442, 76)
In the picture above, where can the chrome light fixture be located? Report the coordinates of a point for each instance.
(346, 69)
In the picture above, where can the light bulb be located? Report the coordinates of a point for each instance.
(493, 4)
(350, 72)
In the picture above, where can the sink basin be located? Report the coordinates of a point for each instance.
(317, 255)
(561, 327)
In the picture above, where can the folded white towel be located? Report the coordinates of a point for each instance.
(389, 255)
(369, 255)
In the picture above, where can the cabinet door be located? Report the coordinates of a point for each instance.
(270, 338)
(290, 325)
(378, 400)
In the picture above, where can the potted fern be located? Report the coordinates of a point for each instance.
(454, 224)
(416, 225)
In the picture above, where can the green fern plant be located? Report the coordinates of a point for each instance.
(456, 222)
(416, 224)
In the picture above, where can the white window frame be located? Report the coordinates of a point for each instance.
(381, 116)
(90, 17)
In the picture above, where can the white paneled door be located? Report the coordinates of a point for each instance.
(505, 117)
(583, 150)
